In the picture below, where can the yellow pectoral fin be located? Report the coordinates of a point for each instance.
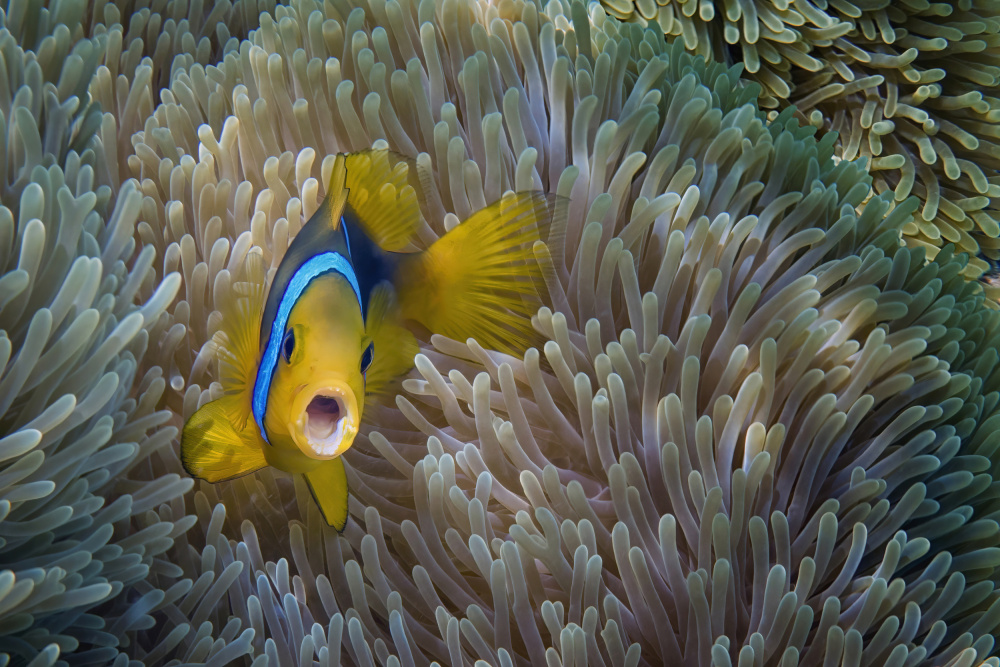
(328, 484)
(481, 280)
(214, 449)
(383, 192)
(238, 339)
(395, 346)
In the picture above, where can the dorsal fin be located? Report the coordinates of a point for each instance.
(336, 193)
(378, 189)
(383, 190)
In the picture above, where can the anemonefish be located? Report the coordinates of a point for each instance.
(336, 326)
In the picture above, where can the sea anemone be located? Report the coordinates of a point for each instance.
(761, 430)
(138, 59)
(80, 530)
(912, 86)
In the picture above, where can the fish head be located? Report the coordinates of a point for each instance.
(318, 388)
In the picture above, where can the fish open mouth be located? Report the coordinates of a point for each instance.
(324, 417)
(324, 427)
(327, 423)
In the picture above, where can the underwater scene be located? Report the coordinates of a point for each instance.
(500, 332)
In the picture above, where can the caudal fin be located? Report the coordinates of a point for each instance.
(481, 279)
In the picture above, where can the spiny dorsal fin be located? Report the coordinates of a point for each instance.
(383, 191)
(336, 193)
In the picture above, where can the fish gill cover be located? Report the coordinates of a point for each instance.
(762, 431)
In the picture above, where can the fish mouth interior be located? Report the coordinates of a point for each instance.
(324, 423)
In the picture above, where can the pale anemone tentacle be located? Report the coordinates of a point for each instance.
(144, 46)
(910, 86)
(87, 511)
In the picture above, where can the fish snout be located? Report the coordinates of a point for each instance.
(325, 420)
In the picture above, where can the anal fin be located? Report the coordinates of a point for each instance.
(328, 484)
(214, 448)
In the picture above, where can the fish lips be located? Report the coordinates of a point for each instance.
(326, 420)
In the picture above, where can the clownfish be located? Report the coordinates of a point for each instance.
(336, 327)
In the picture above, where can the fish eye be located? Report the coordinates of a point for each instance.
(367, 357)
(288, 345)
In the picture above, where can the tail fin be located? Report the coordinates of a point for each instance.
(481, 279)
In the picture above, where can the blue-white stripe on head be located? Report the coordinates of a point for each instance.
(326, 262)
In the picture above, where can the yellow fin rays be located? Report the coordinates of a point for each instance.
(481, 279)
(383, 189)
(395, 346)
(328, 484)
(238, 339)
(213, 448)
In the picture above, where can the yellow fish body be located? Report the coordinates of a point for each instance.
(334, 328)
